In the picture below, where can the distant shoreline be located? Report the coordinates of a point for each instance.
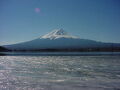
(59, 53)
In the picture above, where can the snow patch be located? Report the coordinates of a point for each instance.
(59, 33)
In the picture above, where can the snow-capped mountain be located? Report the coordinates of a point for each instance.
(58, 33)
(59, 39)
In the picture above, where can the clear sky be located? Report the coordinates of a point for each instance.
(23, 20)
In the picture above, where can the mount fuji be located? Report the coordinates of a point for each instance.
(59, 40)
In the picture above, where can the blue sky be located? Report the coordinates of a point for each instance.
(90, 19)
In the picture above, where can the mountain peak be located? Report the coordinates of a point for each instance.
(57, 33)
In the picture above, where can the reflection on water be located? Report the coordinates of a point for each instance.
(59, 72)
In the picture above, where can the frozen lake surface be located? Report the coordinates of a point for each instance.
(60, 72)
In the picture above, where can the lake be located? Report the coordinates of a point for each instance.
(60, 72)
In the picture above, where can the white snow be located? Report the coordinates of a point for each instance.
(56, 39)
(58, 33)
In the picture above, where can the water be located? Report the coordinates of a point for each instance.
(60, 72)
(59, 53)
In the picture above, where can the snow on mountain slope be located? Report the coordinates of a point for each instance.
(57, 39)
(59, 33)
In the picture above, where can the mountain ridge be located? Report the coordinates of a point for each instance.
(61, 40)
(57, 33)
